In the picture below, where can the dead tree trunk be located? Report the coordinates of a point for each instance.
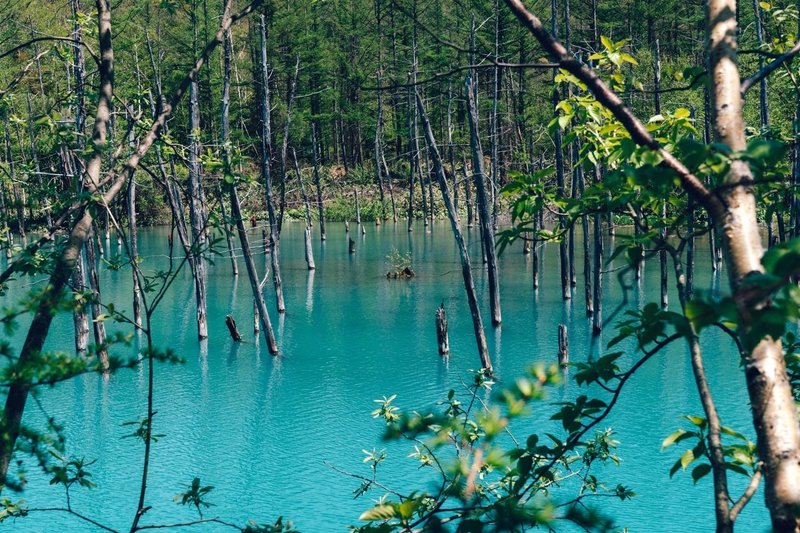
(495, 133)
(98, 324)
(559, 152)
(285, 142)
(484, 217)
(563, 345)
(662, 253)
(252, 275)
(315, 149)
(197, 208)
(232, 329)
(477, 322)
(597, 317)
(441, 329)
(19, 204)
(266, 176)
(302, 189)
(134, 250)
(412, 153)
(309, 249)
(225, 128)
(378, 149)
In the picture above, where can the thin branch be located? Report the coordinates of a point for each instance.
(752, 487)
(73, 513)
(769, 68)
(603, 93)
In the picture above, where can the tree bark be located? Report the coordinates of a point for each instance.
(266, 176)
(773, 408)
(466, 270)
(197, 208)
(484, 217)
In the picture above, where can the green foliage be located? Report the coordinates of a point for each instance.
(485, 477)
(398, 262)
(195, 495)
(740, 456)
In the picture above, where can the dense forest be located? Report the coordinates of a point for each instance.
(628, 132)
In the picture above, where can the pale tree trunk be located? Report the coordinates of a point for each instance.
(772, 404)
(484, 217)
(252, 275)
(197, 208)
(466, 270)
(302, 189)
(98, 325)
(318, 180)
(559, 151)
(412, 158)
(378, 148)
(266, 174)
(662, 253)
(225, 130)
(285, 142)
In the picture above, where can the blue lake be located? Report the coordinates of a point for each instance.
(266, 432)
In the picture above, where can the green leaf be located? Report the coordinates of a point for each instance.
(687, 458)
(700, 471)
(379, 512)
(677, 437)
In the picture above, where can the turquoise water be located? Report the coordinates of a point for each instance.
(266, 432)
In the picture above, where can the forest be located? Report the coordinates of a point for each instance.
(399, 265)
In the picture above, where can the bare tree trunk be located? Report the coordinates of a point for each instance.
(559, 151)
(302, 189)
(597, 317)
(309, 249)
(285, 142)
(378, 147)
(197, 208)
(98, 324)
(495, 134)
(662, 253)
(484, 217)
(258, 295)
(134, 250)
(36, 164)
(320, 209)
(19, 204)
(771, 400)
(266, 155)
(227, 55)
(466, 270)
(412, 156)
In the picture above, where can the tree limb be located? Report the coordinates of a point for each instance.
(769, 68)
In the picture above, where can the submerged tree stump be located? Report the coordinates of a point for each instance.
(441, 331)
(346, 226)
(234, 331)
(563, 345)
(309, 250)
(526, 248)
(352, 246)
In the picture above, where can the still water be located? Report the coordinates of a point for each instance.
(270, 433)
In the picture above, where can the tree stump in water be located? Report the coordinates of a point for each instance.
(231, 323)
(441, 331)
(563, 345)
(346, 226)
(526, 248)
(352, 246)
(309, 250)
